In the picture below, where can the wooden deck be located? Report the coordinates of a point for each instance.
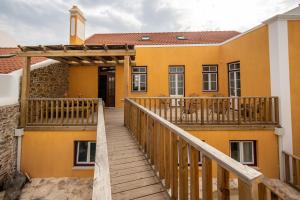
(131, 175)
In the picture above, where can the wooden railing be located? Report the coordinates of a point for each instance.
(101, 181)
(174, 154)
(292, 169)
(62, 112)
(215, 111)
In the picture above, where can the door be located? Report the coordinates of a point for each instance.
(176, 82)
(106, 85)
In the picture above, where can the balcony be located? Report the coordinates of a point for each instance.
(62, 113)
(215, 112)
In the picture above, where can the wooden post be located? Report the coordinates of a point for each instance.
(25, 90)
(248, 191)
(126, 76)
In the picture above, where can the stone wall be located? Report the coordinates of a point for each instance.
(9, 116)
(50, 81)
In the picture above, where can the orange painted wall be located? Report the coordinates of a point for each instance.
(252, 50)
(158, 59)
(83, 81)
(294, 61)
(266, 144)
(51, 153)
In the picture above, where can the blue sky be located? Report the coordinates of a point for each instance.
(47, 21)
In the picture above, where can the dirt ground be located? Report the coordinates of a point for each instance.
(58, 189)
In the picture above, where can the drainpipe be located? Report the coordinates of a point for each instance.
(19, 133)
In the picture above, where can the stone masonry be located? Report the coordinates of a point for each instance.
(50, 81)
(9, 116)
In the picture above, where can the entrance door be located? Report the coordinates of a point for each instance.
(176, 82)
(234, 79)
(106, 85)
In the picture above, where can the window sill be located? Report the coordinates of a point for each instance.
(139, 92)
(82, 167)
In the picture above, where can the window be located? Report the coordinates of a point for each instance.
(234, 79)
(181, 37)
(145, 38)
(139, 79)
(210, 77)
(243, 151)
(85, 152)
(176, 80)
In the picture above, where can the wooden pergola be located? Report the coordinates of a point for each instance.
(82, 55)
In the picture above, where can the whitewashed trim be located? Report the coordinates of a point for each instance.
(101, 183)
(280, 83)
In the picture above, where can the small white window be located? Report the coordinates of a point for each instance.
(145, 38)
(139, 79)
(181, 37)
(210, 78)
(243, 151)
(85, 153)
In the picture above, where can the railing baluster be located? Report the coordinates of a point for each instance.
(223, 183)
(52, 111)
(207, 191)
(162, 151)
(174, 186)
(167, 157)
(194, 173)
(183, 169)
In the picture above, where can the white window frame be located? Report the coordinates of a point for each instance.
(232, 68)
(241, 151)
(88, 162)
(210, 73)
(138, 74)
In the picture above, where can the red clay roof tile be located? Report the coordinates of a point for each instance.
(8, 65)
(165, 38)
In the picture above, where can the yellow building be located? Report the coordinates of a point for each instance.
(262, 62)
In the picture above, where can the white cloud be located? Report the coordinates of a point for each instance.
(47, 21)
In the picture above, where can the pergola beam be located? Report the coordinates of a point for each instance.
(76, 53)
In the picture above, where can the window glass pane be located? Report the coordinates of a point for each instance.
(82, 151)
(205, 68)
(205, 77)
(92, 151)
(143, 87)
(235, 150)
(143, 69)
(237, 75)
(180, 91)
(179, 69)
(238, 92)
(213, 85)
(172, 69)
(135, 69)
(213, 68)
(248, 152)
(213, 77)
(143, 78)
(205, 86)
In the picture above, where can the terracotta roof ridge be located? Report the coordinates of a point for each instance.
(8, 47)
(161, 32)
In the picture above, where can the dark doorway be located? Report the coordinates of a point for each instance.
(106, 85)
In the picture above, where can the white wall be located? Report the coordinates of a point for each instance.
(10, 84)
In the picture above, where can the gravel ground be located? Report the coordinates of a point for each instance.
(58, 189)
